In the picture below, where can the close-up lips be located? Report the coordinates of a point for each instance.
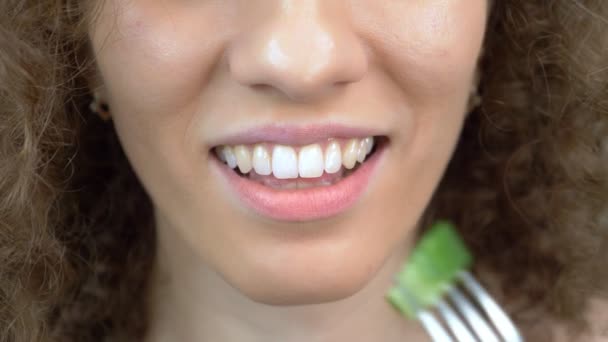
(288, 175)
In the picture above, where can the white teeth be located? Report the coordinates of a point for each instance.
(243, 158)
(220, 154)
(284, 162)
(349, 156)
(333, 157)
(261, 161)
(361, 153)
(229, 156)
(369, 142)
(310, 161)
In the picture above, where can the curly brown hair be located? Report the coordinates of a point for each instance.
(527, 186)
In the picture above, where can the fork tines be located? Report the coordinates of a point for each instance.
(471, 315)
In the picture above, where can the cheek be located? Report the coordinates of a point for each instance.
(153, 57)
(155, 61)
(429, 47)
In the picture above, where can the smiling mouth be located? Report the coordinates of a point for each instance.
(284, 167)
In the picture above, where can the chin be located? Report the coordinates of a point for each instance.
(283, 292)
(302, 283)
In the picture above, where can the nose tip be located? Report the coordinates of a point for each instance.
(302, 59)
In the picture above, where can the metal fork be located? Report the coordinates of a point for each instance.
(482, 320)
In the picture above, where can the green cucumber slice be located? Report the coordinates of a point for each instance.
(430, 270)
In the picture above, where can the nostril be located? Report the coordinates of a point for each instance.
(260, 87)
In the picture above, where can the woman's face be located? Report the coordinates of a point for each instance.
(184, 77)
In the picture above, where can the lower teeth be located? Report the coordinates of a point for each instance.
(296, 184)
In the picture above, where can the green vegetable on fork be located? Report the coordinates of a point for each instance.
(430, 270)
(431, 286)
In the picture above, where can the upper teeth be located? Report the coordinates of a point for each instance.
(308, 161)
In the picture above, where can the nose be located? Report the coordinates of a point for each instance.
(305, 50)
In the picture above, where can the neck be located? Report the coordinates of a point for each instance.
(191, 302)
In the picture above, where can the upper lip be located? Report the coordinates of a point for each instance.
(286, 134)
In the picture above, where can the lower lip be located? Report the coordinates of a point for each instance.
(302, 204)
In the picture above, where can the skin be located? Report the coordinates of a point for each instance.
(171, 72)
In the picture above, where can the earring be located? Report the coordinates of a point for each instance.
(475, 98)
(100, 108)
(474, 101)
